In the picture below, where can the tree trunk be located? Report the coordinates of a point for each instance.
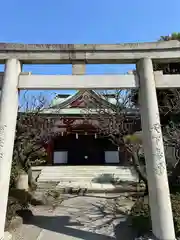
(137, 166)
(140, 172)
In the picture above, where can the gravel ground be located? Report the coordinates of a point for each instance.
(79, 217)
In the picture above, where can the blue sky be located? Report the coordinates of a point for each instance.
(80, 21)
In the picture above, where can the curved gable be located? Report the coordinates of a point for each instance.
(82, 99)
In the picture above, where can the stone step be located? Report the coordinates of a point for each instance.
(97, 179)
(88, 187)
(48, 184)
(94, 175)
(100, 173)
(88, 178)
(85, 179)
(73, 171)
(91, 178)
(86, 168)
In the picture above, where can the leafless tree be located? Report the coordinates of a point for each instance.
(117, 121)
(170, 117)
(33, 131)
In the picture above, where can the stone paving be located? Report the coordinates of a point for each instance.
(77, 218)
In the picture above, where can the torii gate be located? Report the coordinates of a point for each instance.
(14, 55)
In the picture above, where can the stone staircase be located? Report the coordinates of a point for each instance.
(92, 178)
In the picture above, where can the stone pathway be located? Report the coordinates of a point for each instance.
(77, 218)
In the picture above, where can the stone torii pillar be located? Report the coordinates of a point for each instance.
(159, 196)
(8, 116)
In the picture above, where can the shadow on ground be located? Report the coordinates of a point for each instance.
(103, 219)
(62, 225)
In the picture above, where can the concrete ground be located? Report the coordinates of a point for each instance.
(79, 217)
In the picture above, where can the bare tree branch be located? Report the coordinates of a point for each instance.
(115, 121)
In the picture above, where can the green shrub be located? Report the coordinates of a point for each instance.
(140, 214)
(141, 221)
(14, 174)
(175, 201)
(18, 200)
(12, 207)
(135, 138)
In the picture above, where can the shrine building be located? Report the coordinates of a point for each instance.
(79, 141)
